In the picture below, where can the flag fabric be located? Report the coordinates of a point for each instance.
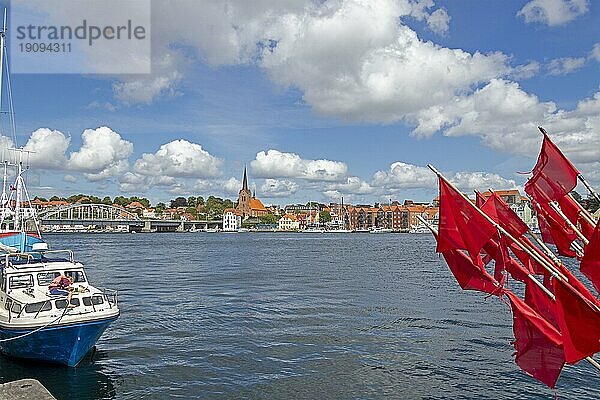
(555, 230)
(501, 213)
(530, 264)
(578, 286)
(538, 345)
(461, 225)
(479, 199)
(553, 175)
(536, 298)
(470, 276)
(590, 264)
(579, 323)
(573, 211)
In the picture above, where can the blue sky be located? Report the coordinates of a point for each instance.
(353, 99)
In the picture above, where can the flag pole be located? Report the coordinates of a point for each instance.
(556, 208)
(533, 278)
(583, 212)
(535, 237)
(529, 275)
(543, 262)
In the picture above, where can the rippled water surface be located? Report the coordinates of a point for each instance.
(278, 316)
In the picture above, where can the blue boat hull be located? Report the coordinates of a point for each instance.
(65, 345)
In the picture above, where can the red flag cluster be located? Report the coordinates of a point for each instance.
(559, 320)
(554, 177)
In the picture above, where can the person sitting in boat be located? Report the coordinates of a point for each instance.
(62, 285)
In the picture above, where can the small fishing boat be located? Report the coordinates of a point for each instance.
(57, 326)
(418, 229)
(380, 230)
(40, 319)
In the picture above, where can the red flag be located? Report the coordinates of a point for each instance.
(461, 226)
(536, 298)
(573, 211)
(479, 199)
(504, 260)
(578, 286)
(555, 230)
(500, 212)
(590, 264)
(530, 263)
(469, 275)
(538, 345)
(579, 323)
(553, 175)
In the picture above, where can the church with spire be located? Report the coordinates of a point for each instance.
(248, 205)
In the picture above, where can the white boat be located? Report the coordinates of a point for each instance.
(417, 229)
(313, 230)
(380, 230)
(212, 230)
(41, 320)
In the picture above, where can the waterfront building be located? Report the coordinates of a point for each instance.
(248, 204)
(232, 220)
(148, 213)
(399, 218)
(288, 222)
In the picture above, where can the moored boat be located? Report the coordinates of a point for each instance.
(50, 312)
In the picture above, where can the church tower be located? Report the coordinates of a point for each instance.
(244, 197)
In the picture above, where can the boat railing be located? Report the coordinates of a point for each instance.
(24, 259)
(10, 306)
(111, 296)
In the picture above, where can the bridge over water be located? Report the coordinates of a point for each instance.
(104, 215)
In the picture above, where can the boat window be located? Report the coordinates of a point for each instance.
(21, 281)
(97, 300)
(16, 308)
(34, 308)
(60, 304)
(87, 301)
(7, 304)
(77, 276)
(75, 302)
(45, 278)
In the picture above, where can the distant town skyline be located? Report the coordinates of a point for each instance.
(322, 100)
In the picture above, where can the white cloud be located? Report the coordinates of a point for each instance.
(355, 61)
(231, 186)
(438, 21)
(179, 158)
(564, 66)
(553, 12)
(525, 71)
(595, 54)
(6, 143)
(352, 185)
(481, 181)
(404, 176)
(69, 178)
(275, 164)
(278, 188)
(102, 155)
(48, 148)
(167, 70)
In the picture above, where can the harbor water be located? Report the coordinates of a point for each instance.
(282, 316)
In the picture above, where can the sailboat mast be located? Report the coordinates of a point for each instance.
(4, 198)
(2, 50)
